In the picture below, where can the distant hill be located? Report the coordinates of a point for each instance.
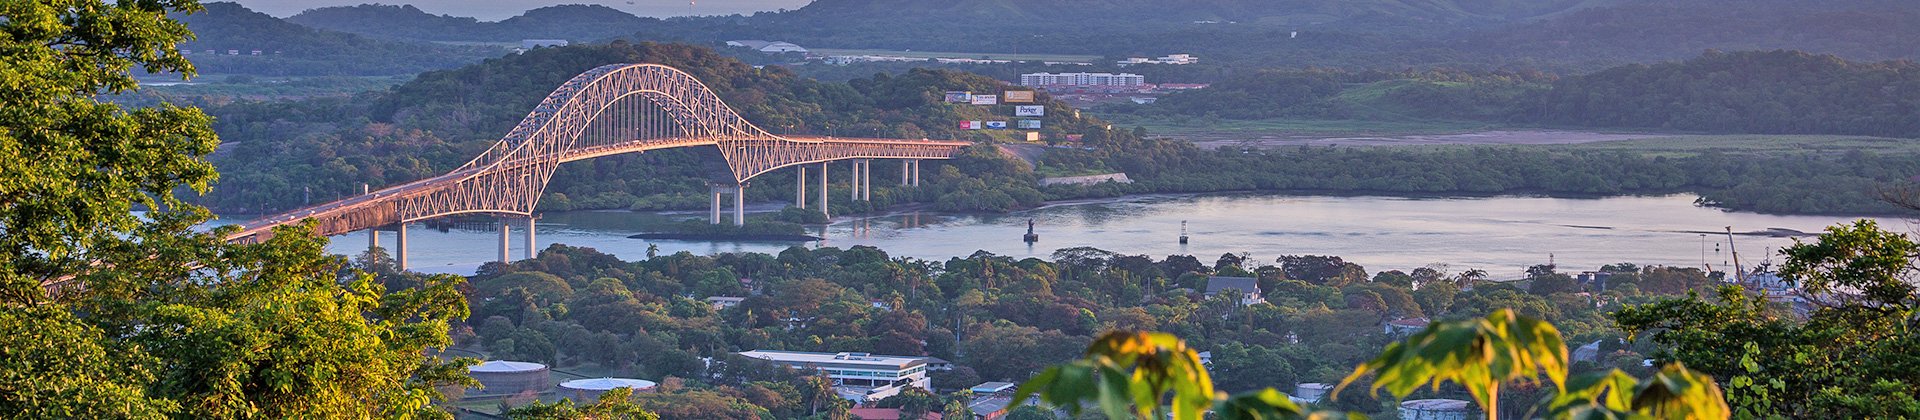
(1644, 30)
(1290, 12)
(293, 50)
(579, 23)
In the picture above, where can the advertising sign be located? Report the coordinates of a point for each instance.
(959, 97)
(997, 125)
(986, 99)
(1019, 96)
(969, 125)
(1029, 110)
(1029, 124)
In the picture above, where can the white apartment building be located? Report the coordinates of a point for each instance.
(1082, 79)
(858, 376)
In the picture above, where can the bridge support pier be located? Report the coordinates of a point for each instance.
(905, 167)
(916, 172)
(533, 250)
(853, 184)
(399, 246)
(800, 187)
(373, 239)
(740, 204)
(715, 219)
(506, 240)
(866, 179)
(823, 190)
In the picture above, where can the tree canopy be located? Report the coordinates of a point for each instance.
(106, 312)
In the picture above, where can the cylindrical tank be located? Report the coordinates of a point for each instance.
(502, 377)
(1311, 392)
(1436, 409)
(586, 390)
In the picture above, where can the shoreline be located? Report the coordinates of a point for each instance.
(725, 237)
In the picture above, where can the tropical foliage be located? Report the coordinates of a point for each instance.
(1130, 375)
(110, 313)
(1849, 357)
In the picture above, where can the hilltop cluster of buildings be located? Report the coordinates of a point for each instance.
(1082, 89)
(1175, 59)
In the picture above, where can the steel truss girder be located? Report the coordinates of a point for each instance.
(609, 110)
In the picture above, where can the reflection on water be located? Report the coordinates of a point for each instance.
(1502, 235)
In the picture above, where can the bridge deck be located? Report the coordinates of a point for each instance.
(421, 187)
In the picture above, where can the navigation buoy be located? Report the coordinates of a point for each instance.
(1031, 237)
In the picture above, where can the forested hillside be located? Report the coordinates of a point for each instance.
(1777, 92)
(292, 50)
(422, 128)
(1642, 31)
(578, 23)
(1292, 12)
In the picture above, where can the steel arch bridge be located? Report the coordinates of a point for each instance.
(609, 110)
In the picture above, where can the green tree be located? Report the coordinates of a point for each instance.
(1135, 375)
(111, 313)
(1851, 357)
(1484, 354)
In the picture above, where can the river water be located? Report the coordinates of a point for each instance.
(1502, 235)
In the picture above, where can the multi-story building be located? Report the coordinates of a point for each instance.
(858, 376)
(1082, 79)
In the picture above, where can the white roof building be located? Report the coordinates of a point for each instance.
(1082, 79)
(869, 377)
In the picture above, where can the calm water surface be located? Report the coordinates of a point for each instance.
(1502, 235)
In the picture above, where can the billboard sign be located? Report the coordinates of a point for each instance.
(997, 125)
(959, 97)
(985, 99)
(1029, 124)
(969, 125)
(1029, 111)
(1019, 96)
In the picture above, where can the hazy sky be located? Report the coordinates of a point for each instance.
(501, 9)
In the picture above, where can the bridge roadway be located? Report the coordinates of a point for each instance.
(422, 187)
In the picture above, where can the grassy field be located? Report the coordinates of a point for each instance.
(1758, 144)
(973, 55)
(1212, 129)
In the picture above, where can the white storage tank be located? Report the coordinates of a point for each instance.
(1311, 392)
(588, 390)
(502, 377)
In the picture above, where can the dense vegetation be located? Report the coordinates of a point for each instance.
(1851, 357)
(288, 49)
(105, 313)
(1795, 183)
(441, 119)
(1777, 92)
(997, 317)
